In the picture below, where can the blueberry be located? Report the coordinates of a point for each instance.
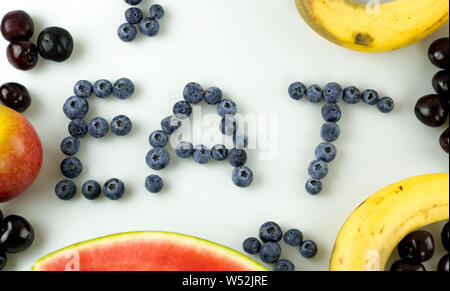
(70, 146)
(170, 124)
(76, 108)
(270, 232)
(71, 167)
(333, 92)
(123, 88)
(314, 94)
(83, 89)
(78, 128)
(297, 90)
(284, 266)
(219, 152)
(114, 189)
(318, 169)
(202, 154)
(65, 190)
(228, 125)
(134, 15)
(352, 95)
(133, 2)
(385, 105)
(330, 131)
(182, 110)
(213, 96)
(242, 177)
(91, 190)
(158, 159)
(251, 246)
(154, 184)
(156, 11)
(103, 88)
(240, 141)
(193, 93)
(331, 112)
(127, 32)
(98, 127)
(270, 252)
(237, 157)
(308, 249)
(293, 237)
(314, 186)
(149, 26)
(370, 97)
(158, 139)
(121, 125)
(184, 150)
(226, 107)
(326, 152)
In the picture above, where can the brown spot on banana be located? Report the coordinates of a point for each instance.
(363, 39)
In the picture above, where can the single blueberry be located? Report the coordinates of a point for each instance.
(270, 232)
(240, 141)
(293, 237)
(158, 159)
(71, 167)
(70, 146)
(213, 96)
(237, 157)
(226, 107)
(65, 190)
(326, 152)
(123, 88)
(284, 266)
(314, 186)
(297, 90)
(385, 105)
(202, 154)
(314, 94)
(78, 128)
(242, 177)
(114, 189)
(318, 169)
(332, 92)
(154, 184)
(91, 190)
(193, 93)
(133, 2)
(184, 150)
(121, 125)
(83, 89)
(370, 97)
(182, 110)
(219, 152)
(308, 249)
(149, 26)
(158, 139)
(170, 124)
(76, 108)
(352, 95)
(134, 15)
(270, 252)
(330, 131)
(127, 32)
(229, 125)
(251, 246)
(98, 127)
(156, 11)
(103, 88)
(331, 112)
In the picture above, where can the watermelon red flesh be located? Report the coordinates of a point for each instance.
(147, 251)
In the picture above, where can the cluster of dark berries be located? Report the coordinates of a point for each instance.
(76, 108)
(148, 26)
(54, 43)
(158, 158)
(332, 93)
(432, 110)
(15, 96)
(16, 236)
(271, 234)
(418, 247)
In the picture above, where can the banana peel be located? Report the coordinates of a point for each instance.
(372, 232)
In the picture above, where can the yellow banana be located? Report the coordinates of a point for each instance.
(375, 26)
(372, 232)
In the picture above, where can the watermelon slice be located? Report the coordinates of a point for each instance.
(147, 251)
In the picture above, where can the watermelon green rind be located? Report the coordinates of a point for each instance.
(234, 255)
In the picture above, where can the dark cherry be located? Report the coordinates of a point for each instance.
(438, 53)
(417, 247)
(440, 82)
(444, 141)
(23, 55)
(432, 110)
(3, 260)
(16, 234)
(443, 265)
(445, 231)
(15, 96)
(402, 266)
(55, 43)
(17, 25)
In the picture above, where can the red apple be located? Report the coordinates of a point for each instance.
(20, 154)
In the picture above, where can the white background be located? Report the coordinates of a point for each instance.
(253, 50)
